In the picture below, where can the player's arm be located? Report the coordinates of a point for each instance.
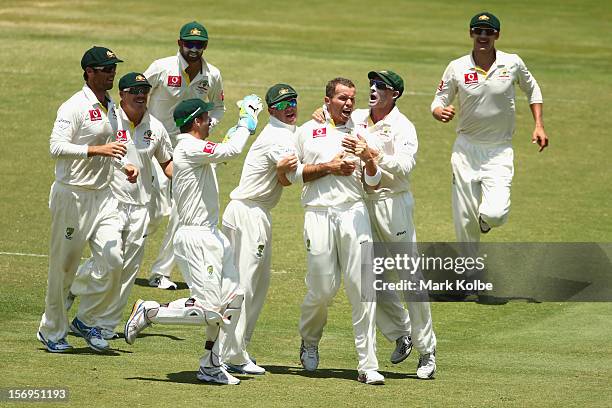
(530, 87)
(339, 166)
(163, 152)
(403, 160)
(215, 95)
(441, 107)
(358, 146)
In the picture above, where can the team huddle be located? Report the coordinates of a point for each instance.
(121, 167)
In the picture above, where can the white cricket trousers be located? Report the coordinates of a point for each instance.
(392, 221)
(134, 220)
(482, 176)
(161, 205)
(334, 238)
(80, 216)
(248, 227)
(206, 260)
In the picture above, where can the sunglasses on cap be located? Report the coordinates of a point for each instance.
(137, 90)
(489, 32)
(380, 84)
(193, 44)
(107, 69)
(282, 105)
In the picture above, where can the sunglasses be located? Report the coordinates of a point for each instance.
(489, 32)
(193, 44)
(107, 69)
(380, 85)
(138, 90)
(282, 105)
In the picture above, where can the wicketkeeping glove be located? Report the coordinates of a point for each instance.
(250, 107)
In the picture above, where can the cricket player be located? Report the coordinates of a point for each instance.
(390, 205)
(482, 158)
(173, 79)
(146, 140)
(247, 220)
(203, 253)
(83, 209)
(336, 224)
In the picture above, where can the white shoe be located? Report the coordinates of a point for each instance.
(161, 282)
(372, 377)
(403, 348)
(136, 323)
(216, 375)
(109, 334)
(427, 365)
(249, 368)
(309, 356)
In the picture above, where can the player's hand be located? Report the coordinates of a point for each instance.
(358, 146)
(250, 107)
(539, 137)
(318, 115)
(287, 164)
(341, 166)
(114, 149)
(132, 172)
(444, 115)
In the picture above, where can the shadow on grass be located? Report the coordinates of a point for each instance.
(145, 282)
(340, 373)
(184, 377)
(88, 351)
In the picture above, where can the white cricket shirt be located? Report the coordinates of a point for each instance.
(318, 143)
(144, 142)
(395, 138)
(170, 85)
(486, 107)
(258, 181)
(82, 121)
(194, 180)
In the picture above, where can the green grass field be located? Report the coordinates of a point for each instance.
(520, 354)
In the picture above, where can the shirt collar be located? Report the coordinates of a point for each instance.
(183, 64)
(279, 124)
(343, 128)
(124, 118)
(91, 97)
(394, 112)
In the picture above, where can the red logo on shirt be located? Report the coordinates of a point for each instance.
(121, 136)
(319, 132)
(471, 78)
(174, 81)
(95, 114)
(210, 147)
(441, 85)
(222, 96)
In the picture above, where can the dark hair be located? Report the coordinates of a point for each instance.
(330, 88)
(85, 75)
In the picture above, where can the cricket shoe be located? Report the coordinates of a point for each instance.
(403, 348)
(484, 227)
(136, 323)
(216, 375)
(109, 334)
(161, 282)
(309, 356)
(60, 346)
(427, 365)
(372, 377)
(249, 368)
(92, 335)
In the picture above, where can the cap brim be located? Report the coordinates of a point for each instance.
(483, 24)
(194, 38)
(375, 74)
(111, 61)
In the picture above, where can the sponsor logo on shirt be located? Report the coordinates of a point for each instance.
(441, 85)
(222, 96)
(174, 81)
(121, 136)
(471, 78)
(202, 86)
(319, 132)
(148, 137)
(210, 147)
(95, 114)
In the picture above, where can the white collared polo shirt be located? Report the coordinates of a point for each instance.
(486, 105)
